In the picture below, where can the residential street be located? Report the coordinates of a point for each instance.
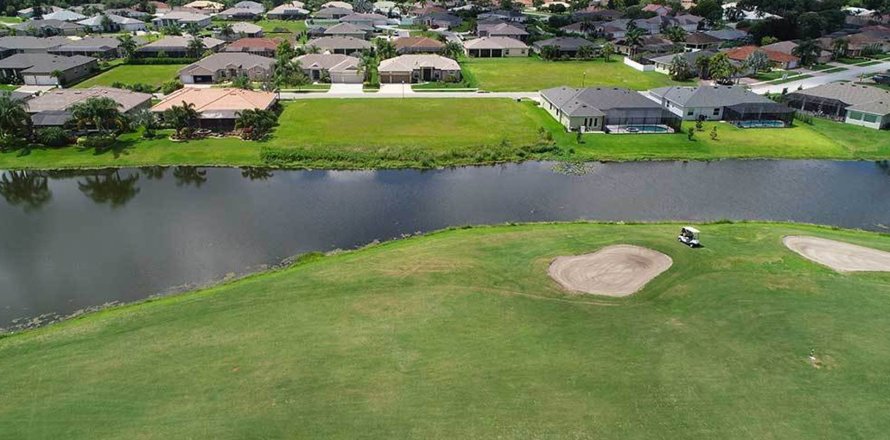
(852, 73)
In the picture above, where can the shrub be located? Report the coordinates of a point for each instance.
(171, 86)
(97, 141)
(53, 136)
(161, 60)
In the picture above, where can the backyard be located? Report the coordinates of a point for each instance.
(533, 73)
(155, 75)
(295, 26)
(461, 334)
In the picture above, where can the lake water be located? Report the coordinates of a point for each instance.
(72, 240)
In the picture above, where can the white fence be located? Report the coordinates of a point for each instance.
(638, 66)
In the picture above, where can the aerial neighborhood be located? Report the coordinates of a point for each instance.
(632, 68)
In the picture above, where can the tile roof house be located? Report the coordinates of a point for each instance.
(608, 109)
(258, 46)
(240, 30)
(225, 66)
(100, 47)
(27, 13)
(366, 20)
(406, 45)
(250, 5)
(777, 59)
(348, 30)
(663, 63)
(503, 14)
(48, 27)
(715, 103)
(119, 22)
(418, 68)
(205, 6)
(787, 47)
(661, 10)
(856, 104)
(439, 20)
(38, 68)
(341, 45)
(175, 46)
(567, 46)
(871, 38)
(182, 18)
(288, 11)
(218, 108)
(331, 13)
(337, 68)
(55, 103)
(500, 29)
(64, 15)
(240, 14)
(494, 47)
(337, 4)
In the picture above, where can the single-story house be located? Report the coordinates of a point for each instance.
(581, 28)
(777, 59)
(348, 30)
(418, 68)
(118, 23)
(787, 47)
(501, 29)
(240, 14)
(687, 22)
(64, 15)
(182, 18)
(388, 8)
(102, 47)
(406, 45)
(341, 45)
(51, 108)
(331, 13)
(225, 66)
(873, 39)
(48, 27)
(175, 46)
(567, 46)
(337, 4)
(439, 20)
(597, 13)
(28, 44)
(728, 34)
(38, 69)
(649, 44)
(609, 109)
(855, 104)
(258, 46)
(701, 41)
(660, 10)
(218, 108)
(715, 103)
(365, 20)
(288, 11)
(27, 13)
(663, 63)
(338, 68)
(242, 29)
(205, 6)
(494, 47)
(250, 5)
(503, 14)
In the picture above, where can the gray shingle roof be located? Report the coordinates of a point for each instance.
(848, 93)
(41, 63)
(596, 101)
(345, 43)
(31, 43)
(177, 43)
(708, 96)
(495, 43)
(332, 62)
(565, 43)
(224, 60)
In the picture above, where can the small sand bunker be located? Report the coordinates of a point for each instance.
(840, 256)
(618, 270)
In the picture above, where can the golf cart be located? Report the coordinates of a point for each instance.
(689, 236)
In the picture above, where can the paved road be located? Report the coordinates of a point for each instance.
(384, 93)
(852, 73)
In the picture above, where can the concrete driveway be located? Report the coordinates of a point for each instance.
(395, 89)
(852, 73)
(344, 89)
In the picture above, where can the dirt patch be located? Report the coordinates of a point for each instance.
(840, 256)
(618, 270)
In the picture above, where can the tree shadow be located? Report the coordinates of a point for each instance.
(109, 186)
(28, 189)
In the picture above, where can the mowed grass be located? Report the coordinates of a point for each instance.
(131, 74)
(462, 334)
(532, 74)
(294, 26)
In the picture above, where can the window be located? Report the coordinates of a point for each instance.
(856, 116)
(716, 112)
(596, 122)
(690, 113)
(870, 118)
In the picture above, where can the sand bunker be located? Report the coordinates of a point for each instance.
(840, 256)
(618, 270)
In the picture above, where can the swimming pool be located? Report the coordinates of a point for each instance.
(638, 129)
(761, 124)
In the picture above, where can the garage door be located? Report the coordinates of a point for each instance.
(395, 77)
(346, 77)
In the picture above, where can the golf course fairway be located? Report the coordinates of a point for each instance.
(462, 334)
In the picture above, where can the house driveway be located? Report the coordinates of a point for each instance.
(395, 89)
(344, 89)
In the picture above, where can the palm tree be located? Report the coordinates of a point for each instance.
(608, 49)
(368, 64)
(586, 52)
(59, 76)
(549, 52)
(680, 70)
(181, 118)
(703, 65)
(757, 61)
(226, 31)
(453, 50)
(808, 51)
(385, 48)
(255, 123)
(101, 113)
(839, 47)
(676, 34)
(127, 46)
(634, 39)
(721, 69)
(195, 47)
(14, 119)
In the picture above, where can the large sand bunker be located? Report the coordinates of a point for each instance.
(618, 270)
(840, 256)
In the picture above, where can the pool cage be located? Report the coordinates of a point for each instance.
(825, 107)
(661, 121)
(760, 114)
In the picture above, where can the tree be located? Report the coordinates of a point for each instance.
(195, 47)
(676, 34)
(59, 76)
(385, 49)
(181, 118)
(607, 50)
(192, 29)
(767, 40)
(710, 10)
(147, 120)
(634, 39)
(703, 66)
(808, 51)
(680, 70)
(368, 64)
(108, 186)
(242, 82)
(255, 123)
(107, 24)
(550, 52)
(362, 6)
(29, 189)
(586, 52)
(127, 45)
(285, 51)
(14, 118)
(453, 50)
(101, 113)
(721, 69)
(839, 47)
(810, 25)
(758, 61)
(226, 32)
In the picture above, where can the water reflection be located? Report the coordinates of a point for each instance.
(154, 173)
(190, 176)
(28, 189)
(109, 186)
(254, 173)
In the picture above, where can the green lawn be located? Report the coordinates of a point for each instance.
(532, 73)
(791, 79)
(12, 20)
(462, 334)
(132, 73)
(8, 86)
(291, 25)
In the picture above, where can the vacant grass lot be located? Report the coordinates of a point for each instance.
(462, 334)
(294, 26)
(131, 74)
(423, 133)
(532, 73)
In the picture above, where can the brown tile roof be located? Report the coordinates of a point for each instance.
(253, 43)
(217, 103)
(742, 54)
(62, 99)
(427, 42)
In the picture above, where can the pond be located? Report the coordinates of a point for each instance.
(72, 240)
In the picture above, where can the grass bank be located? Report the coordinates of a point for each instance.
(151, 74)
(425, 133)
(462, 334)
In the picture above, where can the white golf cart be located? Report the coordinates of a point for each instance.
(689, 236)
